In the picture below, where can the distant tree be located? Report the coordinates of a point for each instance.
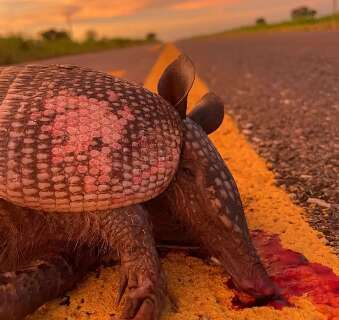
(151, 36)
(52, 34)
(261, 21)
(91, 35)
(303, 13)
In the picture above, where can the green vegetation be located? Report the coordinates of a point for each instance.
(52, 43)
(303, 13)
(261, 21)
(298, 24)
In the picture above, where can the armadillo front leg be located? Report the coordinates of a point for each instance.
(141, 276)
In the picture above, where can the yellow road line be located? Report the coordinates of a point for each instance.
(154, 47)
(117, 73)
(200, 289)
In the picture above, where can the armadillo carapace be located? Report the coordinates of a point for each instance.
(74, 140)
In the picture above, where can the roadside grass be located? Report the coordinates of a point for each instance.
(310, 24)
(16, 49)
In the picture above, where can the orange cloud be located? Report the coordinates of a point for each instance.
(105, 9)
(197, 4)
(169, 18)
(30, 14)
(33, 15)
(55, 10)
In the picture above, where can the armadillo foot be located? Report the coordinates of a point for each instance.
(142, 282)
(145, 295)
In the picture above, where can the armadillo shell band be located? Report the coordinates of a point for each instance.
(74, 140)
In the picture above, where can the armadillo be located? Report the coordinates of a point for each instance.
(86, 160)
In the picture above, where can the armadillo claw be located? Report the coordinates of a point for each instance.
(147, 311)
(144, 298)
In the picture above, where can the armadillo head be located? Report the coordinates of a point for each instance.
(204, 195)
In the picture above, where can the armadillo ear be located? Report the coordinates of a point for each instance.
(208, 113)
(176, 82)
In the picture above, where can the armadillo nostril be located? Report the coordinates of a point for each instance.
(259, 289)
(250, 294)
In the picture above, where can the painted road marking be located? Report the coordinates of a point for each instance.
(155, 47)
(200, 289)
(117, 73)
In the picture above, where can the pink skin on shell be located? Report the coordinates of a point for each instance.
(80, 120)
(90, 119)
(112, 96)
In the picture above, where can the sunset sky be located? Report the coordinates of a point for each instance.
(170, 19)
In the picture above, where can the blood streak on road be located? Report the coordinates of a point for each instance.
(296, 276)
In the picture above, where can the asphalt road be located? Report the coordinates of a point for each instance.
(283, 91)
(132, 63)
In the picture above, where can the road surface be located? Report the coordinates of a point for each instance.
(283, 91)
(132, 63)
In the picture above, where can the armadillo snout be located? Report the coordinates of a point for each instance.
(260, 287)
(215, 202)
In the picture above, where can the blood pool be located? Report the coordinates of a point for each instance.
(296, 276)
